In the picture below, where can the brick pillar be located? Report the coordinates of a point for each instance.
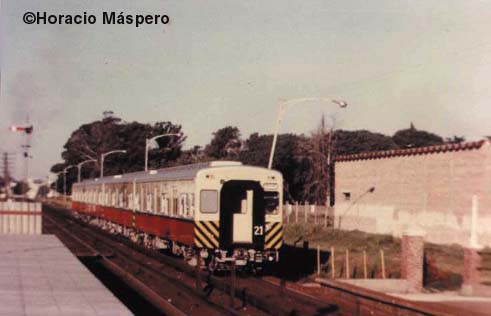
(471, 277)
(412, 249)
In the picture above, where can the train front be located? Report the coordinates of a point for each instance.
(239, 217)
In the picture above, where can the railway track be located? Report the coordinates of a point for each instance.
(252, 296)
(163, 287)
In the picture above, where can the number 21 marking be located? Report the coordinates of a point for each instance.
(258, 230)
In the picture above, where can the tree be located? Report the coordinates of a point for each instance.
(411, 137)
(43, 191)
(21, 188)
(225, 143)
(91, 140)
(455, 140)
(190, 156)
(354, 142)
(256, 153)
(315, 158)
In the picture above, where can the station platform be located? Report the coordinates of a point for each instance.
(39, 276)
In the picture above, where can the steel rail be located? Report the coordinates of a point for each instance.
(197, 295)
(163, 305)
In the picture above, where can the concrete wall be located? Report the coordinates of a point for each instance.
(430, 190)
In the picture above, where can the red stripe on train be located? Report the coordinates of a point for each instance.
(176, 229)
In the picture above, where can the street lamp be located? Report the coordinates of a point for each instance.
(107, 154)
(147, 143)
(64, 180)
(282, 109)
(79, 166)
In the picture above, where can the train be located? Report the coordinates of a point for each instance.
(214, 214)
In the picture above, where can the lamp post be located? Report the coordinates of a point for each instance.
(79, 166)
(282, 109)
(64, 180)
(147, 143)
(103, 156)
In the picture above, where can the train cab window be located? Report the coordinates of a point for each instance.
(271, 203)
(208, 201)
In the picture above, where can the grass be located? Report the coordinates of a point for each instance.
(443, 268)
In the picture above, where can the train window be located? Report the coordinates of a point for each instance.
(137, 201)
(121, 199)
(164, 204)
(114, 198)
(209, 201)
(155, 201)
(175, 203)
(149, 202)
(191, 204)
(130, 201)
(182, 205)
(271, 203)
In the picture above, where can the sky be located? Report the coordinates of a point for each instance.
(220, 63)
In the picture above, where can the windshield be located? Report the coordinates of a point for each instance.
(271, 203)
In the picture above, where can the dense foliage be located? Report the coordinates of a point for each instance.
(412, 137)
(224, 144)
(91, 140)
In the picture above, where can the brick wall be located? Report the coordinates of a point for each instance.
(431, 189)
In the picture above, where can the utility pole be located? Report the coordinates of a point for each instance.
(148, 141)
(283, 105)
(27, 147)
(7, 165)
(27, 129)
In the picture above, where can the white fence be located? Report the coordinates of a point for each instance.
(20, 218)
(308, 214)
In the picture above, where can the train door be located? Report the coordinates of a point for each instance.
(241, 214)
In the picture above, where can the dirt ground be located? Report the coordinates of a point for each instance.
(443, 263)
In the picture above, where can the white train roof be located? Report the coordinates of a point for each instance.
(185, 172)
